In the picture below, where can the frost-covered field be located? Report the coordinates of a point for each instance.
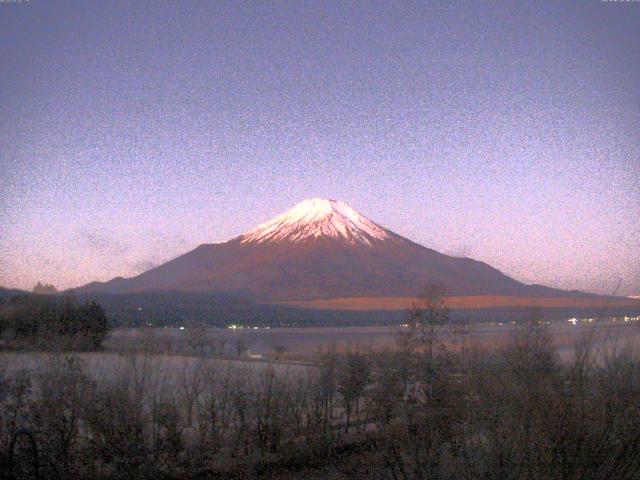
(174, 345)
(300, 342)
(164, 370)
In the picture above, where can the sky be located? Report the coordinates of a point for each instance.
(133, 131)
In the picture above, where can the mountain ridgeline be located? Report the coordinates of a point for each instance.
(321, 249)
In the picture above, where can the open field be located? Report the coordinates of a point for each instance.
(303, 343)
(104, 366)
(172, 355)
(472, 301)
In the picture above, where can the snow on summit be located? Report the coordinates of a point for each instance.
(315, 218)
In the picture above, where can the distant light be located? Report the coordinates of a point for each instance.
(573, 320)
(181, 328)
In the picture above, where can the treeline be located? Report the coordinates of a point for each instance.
(38, 321)
(175, 309)
(420, 412)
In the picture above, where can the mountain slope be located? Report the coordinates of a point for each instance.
(11, 292)
(321, 249)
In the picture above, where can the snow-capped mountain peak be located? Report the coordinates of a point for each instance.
(316, 218)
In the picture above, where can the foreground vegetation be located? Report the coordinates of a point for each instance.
(420, 411)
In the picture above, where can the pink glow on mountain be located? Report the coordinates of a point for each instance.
(315, 218)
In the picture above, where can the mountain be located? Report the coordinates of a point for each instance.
(321, 249)
(10, 292)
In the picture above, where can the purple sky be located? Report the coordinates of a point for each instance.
(133, 131)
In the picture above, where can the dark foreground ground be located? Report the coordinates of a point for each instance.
(525, 401)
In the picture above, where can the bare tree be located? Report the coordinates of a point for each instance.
(196, 336)
(191, 385)
(425, 325)
(460, 330)
(241, 347)
(353, 376)
(279, 350)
